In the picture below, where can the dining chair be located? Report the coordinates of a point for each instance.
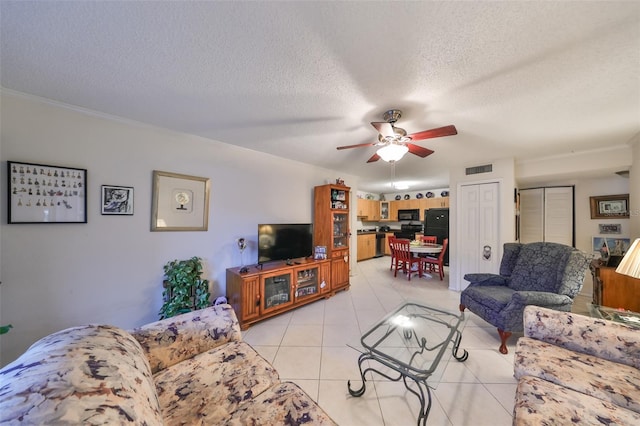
(429, 239)
(436, 264)
(405, 259)
(392, 249)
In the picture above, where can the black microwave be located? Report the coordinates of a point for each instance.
(411, 214)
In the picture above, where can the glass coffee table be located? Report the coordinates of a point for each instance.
(410, 343)
(618, 315)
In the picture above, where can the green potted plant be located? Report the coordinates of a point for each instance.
(184, 288)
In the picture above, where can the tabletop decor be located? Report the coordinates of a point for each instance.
(180, 202)
(40, 193)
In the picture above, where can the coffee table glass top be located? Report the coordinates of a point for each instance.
(618, 315)
(415, 339)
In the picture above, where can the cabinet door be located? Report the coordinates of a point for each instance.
(276, 290)
(393, 211)
(250, 298)
(384, 210)
(361, 207)
(361, 250)
(324, 277)
(340, 269)
(305, 282)
(340, 230)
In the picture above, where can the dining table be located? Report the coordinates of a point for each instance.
(425, 248)
(421, 249)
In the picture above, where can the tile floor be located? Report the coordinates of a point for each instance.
(309, 347)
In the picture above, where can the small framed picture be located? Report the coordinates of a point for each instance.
(179, 202)
(116, 200)
(610, 228)
(608, 206)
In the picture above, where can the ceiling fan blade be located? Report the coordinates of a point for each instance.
(434, 133)
(418, 150)
(374, 157)
(385, 129)
(355, 146)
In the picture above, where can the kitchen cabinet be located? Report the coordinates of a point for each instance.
(368, 209)
(385, 211)
(366, 246)
(276, 288)
(331, 229)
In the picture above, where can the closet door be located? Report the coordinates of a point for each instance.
(546, 214)
(531, 215)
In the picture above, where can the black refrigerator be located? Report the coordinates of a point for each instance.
(436, 223)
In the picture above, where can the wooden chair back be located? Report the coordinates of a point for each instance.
(430, 239)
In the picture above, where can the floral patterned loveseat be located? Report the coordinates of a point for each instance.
(573, 369)
(189, 369)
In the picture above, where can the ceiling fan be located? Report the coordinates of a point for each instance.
(394, 141)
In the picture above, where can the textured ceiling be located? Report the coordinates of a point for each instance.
(298, 79)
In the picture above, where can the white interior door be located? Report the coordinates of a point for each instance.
(479, 243)
(558, 215)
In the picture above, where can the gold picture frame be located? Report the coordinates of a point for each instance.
(608, 206)
(180, 202)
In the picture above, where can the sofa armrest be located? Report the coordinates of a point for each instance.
(172, 340)
(486, 279)
(593, 336)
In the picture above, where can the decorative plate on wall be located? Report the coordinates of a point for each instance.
(419, 195)
(445, 193)
(407, 196)
(429, 194)
(398, 197)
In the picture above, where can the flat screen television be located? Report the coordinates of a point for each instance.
(284, 241)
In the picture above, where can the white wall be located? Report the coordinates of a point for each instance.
(634, 190)
(110, 269)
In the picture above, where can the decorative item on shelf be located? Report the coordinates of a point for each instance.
(320, 252)
(184, 288)
(242, 244)
(339, 181)
(630, 264)
(419, 195)
(398, 197)
(369, 197)
(5, 328)
(429, 194)
(407, 196)
(444, 194)
(382, 197)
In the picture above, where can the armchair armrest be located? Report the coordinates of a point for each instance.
(172, 340)
(541, 298)
(593, 336)
(486, 279)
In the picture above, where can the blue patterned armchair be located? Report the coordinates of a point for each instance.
(541, 274)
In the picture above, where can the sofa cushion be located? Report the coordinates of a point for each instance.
(209, 386)
(539, 402)
(89, 375)
(283, 404)
(172, 340)
(598, 377)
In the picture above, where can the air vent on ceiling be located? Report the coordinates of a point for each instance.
(479, 169)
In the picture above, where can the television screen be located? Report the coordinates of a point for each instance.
(284, 241)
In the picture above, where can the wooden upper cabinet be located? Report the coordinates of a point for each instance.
(368, 209)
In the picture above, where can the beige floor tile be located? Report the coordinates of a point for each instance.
(347, 410)
(471, 404)
(298, 362)
(309, 386)
(302, 335)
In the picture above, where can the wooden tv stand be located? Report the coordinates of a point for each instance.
(277, 288)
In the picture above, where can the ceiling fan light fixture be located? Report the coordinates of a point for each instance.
(392, 152)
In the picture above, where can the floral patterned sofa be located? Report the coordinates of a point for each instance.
(572, 369)
(189, 369)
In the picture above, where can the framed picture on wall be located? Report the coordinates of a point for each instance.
(116, 200)
(608, 206)
(179, 202)
(40, 193)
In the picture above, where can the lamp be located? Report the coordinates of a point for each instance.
(630, 264)
(392, 152)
